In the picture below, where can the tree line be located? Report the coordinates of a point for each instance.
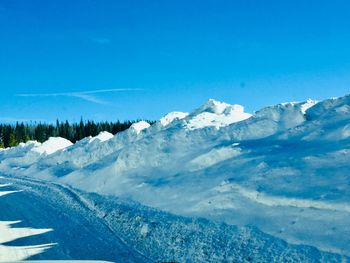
(13, 134)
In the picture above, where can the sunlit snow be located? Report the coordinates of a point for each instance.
(10, 233)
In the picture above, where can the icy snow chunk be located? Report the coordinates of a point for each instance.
(139, 126)
(172, 116)
(102, 136)
(52, 145)
(144, 230)
(216, 114)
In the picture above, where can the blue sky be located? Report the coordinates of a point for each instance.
(109, 59)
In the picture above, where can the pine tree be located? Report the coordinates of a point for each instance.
(12, 140)
(11, 135)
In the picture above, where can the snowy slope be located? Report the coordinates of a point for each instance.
(285, 169)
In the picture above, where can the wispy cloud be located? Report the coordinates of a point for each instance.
(87, 95)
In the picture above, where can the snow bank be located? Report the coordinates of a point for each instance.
(52, 145)
(291, 157)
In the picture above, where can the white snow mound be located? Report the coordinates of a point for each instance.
(139, 126)
(172, 116)
(216, 114)
(102, 136)
(53, 144)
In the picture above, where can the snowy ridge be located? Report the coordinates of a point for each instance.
(284, 169)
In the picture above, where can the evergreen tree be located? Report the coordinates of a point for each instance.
(11, 135)
(12, 140)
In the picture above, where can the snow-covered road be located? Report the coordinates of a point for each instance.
(9, 232)
(46, 221)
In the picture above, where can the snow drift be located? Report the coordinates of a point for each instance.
(284, 169)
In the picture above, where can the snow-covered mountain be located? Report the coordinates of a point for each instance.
(283, 170)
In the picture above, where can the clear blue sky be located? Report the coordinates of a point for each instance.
(167, 55)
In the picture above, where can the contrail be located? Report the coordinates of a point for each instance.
(86, 95)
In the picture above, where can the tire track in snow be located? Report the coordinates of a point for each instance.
(89, 206)
(66, 197)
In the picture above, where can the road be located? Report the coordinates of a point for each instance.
(42, 220)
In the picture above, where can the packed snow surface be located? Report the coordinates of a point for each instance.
(283, 170)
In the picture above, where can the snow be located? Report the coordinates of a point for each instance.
(217, 114)
(29, 143)
(284, 170)
(144, 230)
(102, 136)
(75, 232)
(139, 126)
(172, 116)
(308, 104)
(52, 145)
(9, 233)
(85, 226)
(213, 157)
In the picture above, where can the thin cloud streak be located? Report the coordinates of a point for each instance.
(84, 95)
